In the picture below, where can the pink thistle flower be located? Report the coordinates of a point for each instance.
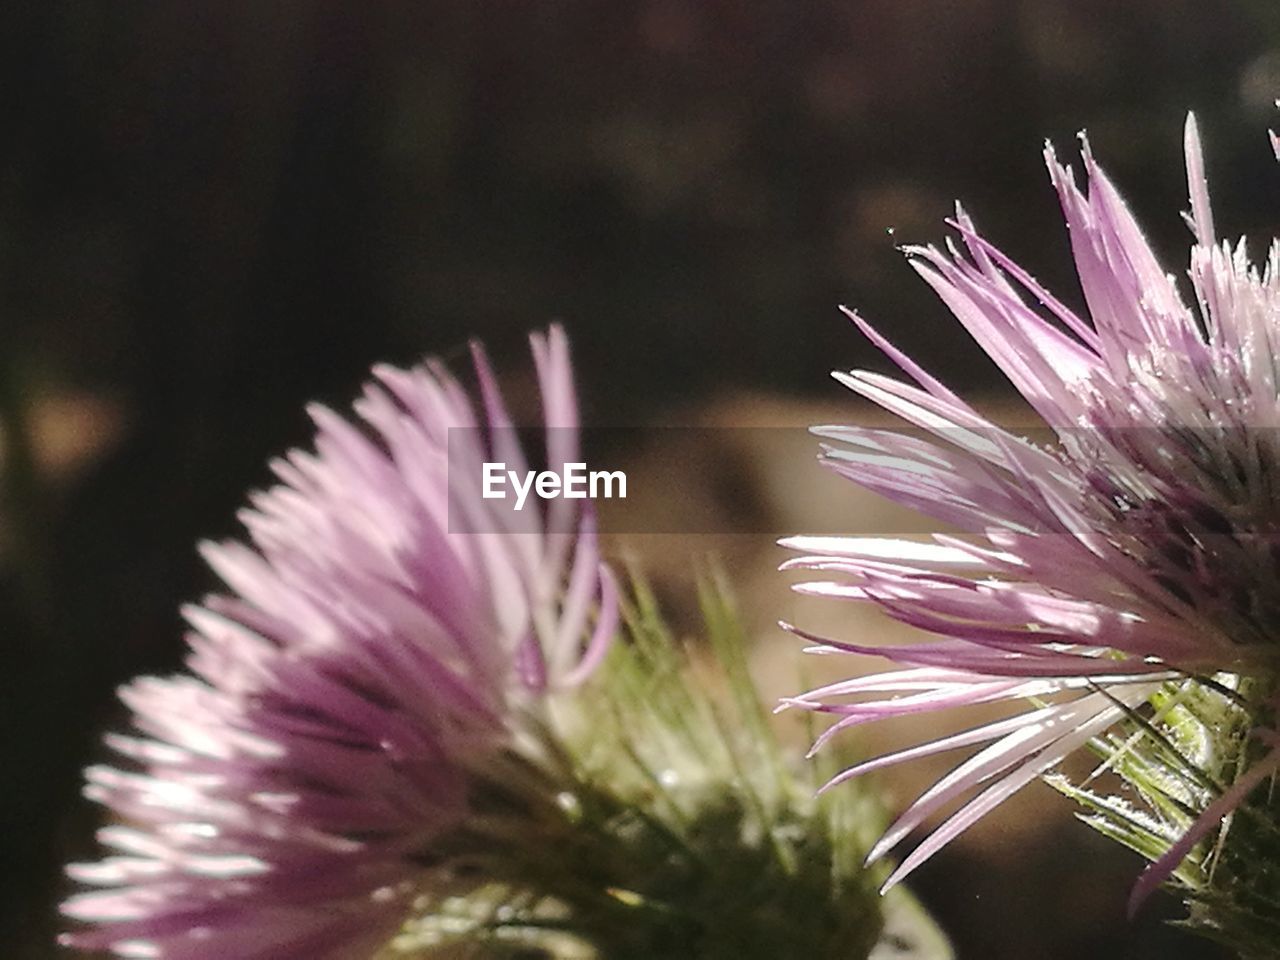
(385, 632)
(1142, 545)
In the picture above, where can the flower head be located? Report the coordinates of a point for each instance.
(1139, 546)
(384, 631)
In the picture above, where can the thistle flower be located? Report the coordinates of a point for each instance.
(1137, 549)
(385, 636)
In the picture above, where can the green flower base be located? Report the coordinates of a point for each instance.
(656, 816)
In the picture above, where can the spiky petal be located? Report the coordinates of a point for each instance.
(380, 631)
(1141, 542)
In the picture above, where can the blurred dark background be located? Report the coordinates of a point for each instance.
(213, 212)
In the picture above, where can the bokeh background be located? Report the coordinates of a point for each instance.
(213, 212)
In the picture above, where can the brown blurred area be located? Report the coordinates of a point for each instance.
(211, 213)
